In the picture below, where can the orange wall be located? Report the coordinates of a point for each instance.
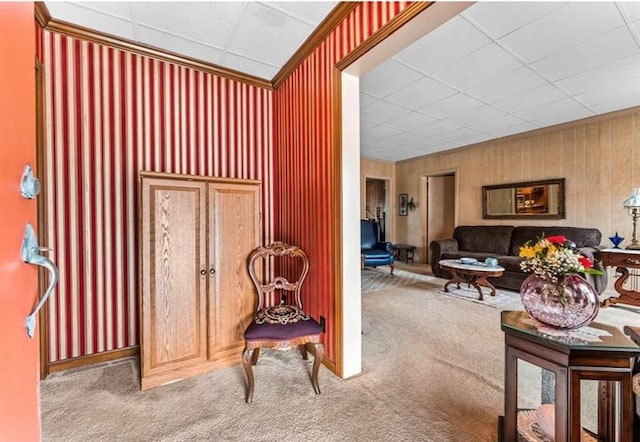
(304, 150)
(19, 375)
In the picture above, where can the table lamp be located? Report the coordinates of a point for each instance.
(632, 204)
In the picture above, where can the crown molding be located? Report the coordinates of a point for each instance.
(77, 31)
(406, 15)
(331, 21)
(42, 14)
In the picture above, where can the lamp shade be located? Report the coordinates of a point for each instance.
(633, 201)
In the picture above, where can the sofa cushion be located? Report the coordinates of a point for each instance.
(491, 240)
(510, 263)
(583, 237)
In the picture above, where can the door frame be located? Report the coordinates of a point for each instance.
(424, 202)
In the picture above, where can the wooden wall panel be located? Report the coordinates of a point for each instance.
(109, 114)
(598, 157)
(306, 191)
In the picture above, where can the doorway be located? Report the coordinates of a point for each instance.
(441, 207)
(377, 202)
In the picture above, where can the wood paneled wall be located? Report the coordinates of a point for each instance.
(306, 189)
(110, 114)
(599, 157)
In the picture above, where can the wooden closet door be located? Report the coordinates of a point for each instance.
(234, 232)
(173, 311)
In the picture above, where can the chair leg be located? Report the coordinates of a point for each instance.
(391, 268)
(319, 354)
(303, 352)
(256, 355)
(247, 363)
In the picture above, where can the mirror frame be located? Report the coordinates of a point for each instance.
(561, 200)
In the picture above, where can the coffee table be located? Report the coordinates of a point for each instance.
(472, 274)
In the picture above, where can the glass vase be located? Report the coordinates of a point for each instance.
(569, 303)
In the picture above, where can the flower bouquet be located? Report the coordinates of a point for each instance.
(555, 294)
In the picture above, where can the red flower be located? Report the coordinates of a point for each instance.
(586, 262)
(558, 239)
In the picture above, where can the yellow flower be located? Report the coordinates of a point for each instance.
(527, 252)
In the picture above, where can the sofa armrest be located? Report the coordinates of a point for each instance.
(438, 248)
(386, 246)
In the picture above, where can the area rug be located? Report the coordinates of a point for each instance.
(502, 298)
(380, 278)
(377, 279)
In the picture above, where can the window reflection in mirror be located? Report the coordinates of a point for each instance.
(532, 199)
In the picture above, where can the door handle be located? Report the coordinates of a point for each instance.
(30, 253)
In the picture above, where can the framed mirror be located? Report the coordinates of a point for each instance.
(531, 199)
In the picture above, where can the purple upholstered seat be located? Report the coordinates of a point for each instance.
(263, 332)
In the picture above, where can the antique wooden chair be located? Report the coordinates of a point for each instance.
(280, 322)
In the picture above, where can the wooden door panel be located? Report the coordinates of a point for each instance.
(173, 290)
(234, 220)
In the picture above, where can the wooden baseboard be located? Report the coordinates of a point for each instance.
(93, 359)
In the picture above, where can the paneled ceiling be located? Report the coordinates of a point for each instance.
(497, 69)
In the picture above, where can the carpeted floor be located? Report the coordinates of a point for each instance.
(432, 371)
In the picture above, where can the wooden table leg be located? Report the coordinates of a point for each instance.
(456, 278)
(481, 281)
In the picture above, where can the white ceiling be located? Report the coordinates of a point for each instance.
(255, 38)
(497, 69)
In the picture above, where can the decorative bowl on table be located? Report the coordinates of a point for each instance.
(468, 260)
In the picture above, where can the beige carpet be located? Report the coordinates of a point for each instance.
(432, 371)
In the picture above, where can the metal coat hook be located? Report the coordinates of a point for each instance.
(30, 253)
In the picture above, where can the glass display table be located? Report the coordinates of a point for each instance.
(585, 378)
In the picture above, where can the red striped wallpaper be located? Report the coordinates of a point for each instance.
(109, 114)
(303, 121)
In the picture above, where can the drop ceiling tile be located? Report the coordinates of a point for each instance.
(387, 78)
(614, 45)
(562, 29)
(179, 45)
(210, 23)
(475, 117)
(498, 125)
(515, 129)
(254, 67)
(118, 9)
(616, 103)
(630, 10)
(447, 43)
(624, 94)
(366, 100)
(557, 112)
(84, 15)
(451, 105)
(420, 93)
(501, 18)
(267, 35)
(619, 71)
(410, 121)
(531, 99)
(381, 132)
(382, 111)
(483, 65)
(437, 128)
(635, 30)
(311, 13)
(465, 136)
(513, 83)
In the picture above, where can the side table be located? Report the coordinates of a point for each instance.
(624, 260)
(602, 353)
(403, 249)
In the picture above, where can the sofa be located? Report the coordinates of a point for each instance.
(373, 252)
(504, 242)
